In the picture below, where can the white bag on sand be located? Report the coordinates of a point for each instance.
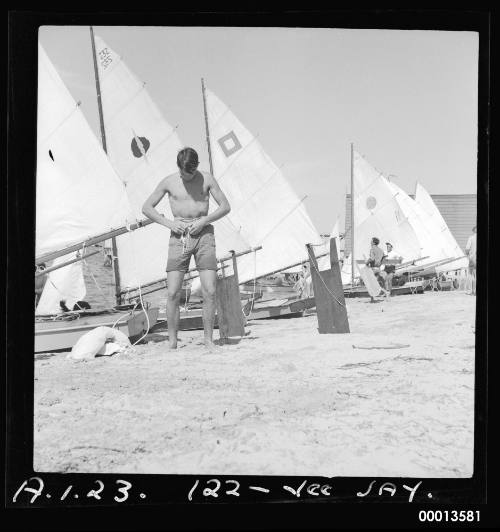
(94, 342)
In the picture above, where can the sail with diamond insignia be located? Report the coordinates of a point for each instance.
(265, 210)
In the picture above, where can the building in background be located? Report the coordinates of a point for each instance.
(458, 210)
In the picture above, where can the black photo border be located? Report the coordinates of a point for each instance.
(166, 504)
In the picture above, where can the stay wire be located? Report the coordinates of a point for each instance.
(325, 285)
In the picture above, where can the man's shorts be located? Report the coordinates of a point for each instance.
(202, 246)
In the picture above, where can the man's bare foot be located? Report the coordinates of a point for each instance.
(172, 344)
(210, 346)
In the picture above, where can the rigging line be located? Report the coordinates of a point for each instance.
(144, 309)
(325, 285)
(252, 300)
(236, 158)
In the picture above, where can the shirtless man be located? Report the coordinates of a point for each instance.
(191, 233)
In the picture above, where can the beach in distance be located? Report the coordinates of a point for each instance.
(395, 397)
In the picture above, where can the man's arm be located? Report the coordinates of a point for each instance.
(148, 209)
(221, 211)
(223, 204)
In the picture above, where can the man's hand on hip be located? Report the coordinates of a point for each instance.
(198, 225)
(177, 227)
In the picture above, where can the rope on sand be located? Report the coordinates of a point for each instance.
(393, 346)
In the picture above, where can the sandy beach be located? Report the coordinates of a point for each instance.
(395, 397)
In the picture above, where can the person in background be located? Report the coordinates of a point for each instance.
(470, 251)
(39, 282)
(304, 282)
(375, 261)
(376, 255)
(108, 254)
(390, 269)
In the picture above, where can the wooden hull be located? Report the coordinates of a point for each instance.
(292, 307)
(63, 335)
(193, 320)
(412, 287)
(190, 320)
(278, 308)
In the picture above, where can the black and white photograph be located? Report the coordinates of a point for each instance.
(256, 251)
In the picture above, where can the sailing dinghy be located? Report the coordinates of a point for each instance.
(414, 227)
(265, 210)
(79, 197)
(142, 147)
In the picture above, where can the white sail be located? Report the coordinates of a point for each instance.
(78, 194)
(265, 211)
(377, 213)
(142, 148)
(453, 250)
(65, 284)
(431, 241)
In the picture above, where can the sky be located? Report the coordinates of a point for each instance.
(406, 99)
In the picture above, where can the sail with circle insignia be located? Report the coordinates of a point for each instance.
(142, 147)
(377, 213)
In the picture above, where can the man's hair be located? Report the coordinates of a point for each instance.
(375, 240)
(187, 160)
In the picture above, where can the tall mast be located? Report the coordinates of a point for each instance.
(206, 127)
(352, 214)
(104, 147)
